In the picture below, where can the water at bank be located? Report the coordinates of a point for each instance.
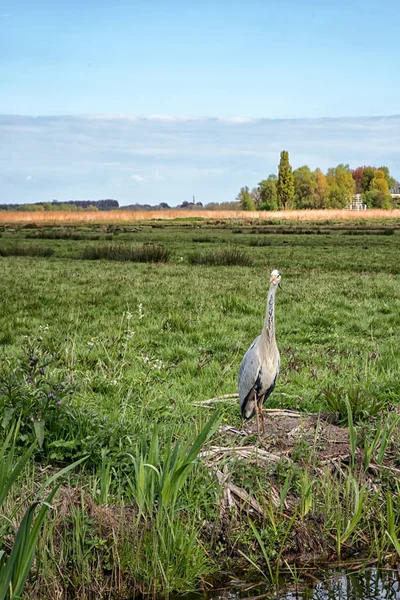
(370, 584)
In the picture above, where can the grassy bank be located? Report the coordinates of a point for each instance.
(110, 357)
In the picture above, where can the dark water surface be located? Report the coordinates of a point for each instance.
(370, 584)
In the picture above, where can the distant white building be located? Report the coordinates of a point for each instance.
(356, 203)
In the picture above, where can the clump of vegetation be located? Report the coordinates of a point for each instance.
(18, 545)
(26, 251)
(226, 257)
(260, 242)
(363, 403)
(67, 235)
(203, 239)
(147, 253)
(369, 231)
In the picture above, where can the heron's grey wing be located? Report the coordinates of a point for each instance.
(248, 374)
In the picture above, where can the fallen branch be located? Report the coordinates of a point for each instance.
(216, 399)
(276, 412)
(377, 467)
(243, 452)
(239, 493)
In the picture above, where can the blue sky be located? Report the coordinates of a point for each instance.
(284, 60)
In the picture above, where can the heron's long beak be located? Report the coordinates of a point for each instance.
(273, 278)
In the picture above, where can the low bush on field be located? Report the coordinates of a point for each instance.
(226, 257)
(26, 251)
(369, 232)
(145, 253)
(202, 239)
(67, 235)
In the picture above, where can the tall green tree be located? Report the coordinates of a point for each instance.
(285, 185)
(245, 199)
(268, 193)
(368, 176)
(374, 198)
(305, 186)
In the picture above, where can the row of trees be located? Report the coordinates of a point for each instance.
(306, 189)
(72, 205)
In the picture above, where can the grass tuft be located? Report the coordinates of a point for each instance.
(67, 235)
(204, 239)
(226, 257)
(146, 253)
(26, 251)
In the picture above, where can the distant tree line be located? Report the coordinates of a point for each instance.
(306, 189)
(74, 205)
(78, 205)
(164, 206)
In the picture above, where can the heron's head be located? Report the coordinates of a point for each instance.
(275, 277)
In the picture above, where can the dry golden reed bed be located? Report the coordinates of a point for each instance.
(129, 215)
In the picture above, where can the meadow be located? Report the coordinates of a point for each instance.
(120, 346)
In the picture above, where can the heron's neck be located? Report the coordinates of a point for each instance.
(268, 332)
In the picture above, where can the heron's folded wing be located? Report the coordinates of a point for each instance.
(248, 372)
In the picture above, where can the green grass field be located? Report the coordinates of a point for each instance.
(109, 359)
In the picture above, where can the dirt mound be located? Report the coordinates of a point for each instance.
(284, 430)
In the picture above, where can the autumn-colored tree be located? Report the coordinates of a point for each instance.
(341, 186)
(358, 175)
(245, 199)
(320, 194)
(379, 182)
(285, 185)
(390, 180)
(268, 193)
(363, 177)
(305, 185)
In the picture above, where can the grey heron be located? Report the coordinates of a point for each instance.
(259, 368)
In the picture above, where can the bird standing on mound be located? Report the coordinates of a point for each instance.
(259, 368)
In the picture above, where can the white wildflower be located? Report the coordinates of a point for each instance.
(140, 310)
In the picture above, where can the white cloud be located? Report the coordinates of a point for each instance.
(110, 117)
(171, 119)
(94, 157)
(237, 120)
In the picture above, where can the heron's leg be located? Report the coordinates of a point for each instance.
(262, 414)
(257, 419)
